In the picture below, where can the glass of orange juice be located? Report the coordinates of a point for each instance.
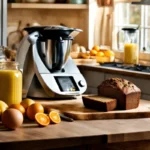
(10, 82)
(131, 53)
(131, 46)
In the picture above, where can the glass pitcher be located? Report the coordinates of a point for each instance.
(10, 83)
(131, 46)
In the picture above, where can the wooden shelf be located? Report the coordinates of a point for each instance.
(46, 6)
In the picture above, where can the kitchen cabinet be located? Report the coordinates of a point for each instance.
(72, 15)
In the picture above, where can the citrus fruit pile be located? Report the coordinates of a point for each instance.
(13, 116)
(101, 55)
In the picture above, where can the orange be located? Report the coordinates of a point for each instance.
(54, 117)
(33, 109)
(18, 107)
(100, 54)
(27, 102)
(96, 47)
(42, 119)
(93, 52)
(109, 53)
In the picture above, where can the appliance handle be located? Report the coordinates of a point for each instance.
(60, 54)
(22, 51)
(24, 47)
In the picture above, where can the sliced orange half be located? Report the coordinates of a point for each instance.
(42, 119)
(54, 117)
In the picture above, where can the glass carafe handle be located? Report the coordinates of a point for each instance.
(120, 40)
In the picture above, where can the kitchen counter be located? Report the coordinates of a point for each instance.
(77, 135)
(115, 71)
(100, 73)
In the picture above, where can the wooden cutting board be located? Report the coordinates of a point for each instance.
(82, 61)
(76, 110)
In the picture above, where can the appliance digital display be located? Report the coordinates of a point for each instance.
(66, 84)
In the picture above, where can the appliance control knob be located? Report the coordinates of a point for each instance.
(81, 83)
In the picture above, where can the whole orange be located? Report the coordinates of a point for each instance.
(96, 47)
(18, 107)
(93, 52)
(109, 53)
(100, 54)
(33, 109)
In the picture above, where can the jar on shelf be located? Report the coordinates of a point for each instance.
(10, 82)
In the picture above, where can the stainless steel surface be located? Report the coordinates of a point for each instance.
(3, 22)
(142, 2)
(66, 118)
(54, 53)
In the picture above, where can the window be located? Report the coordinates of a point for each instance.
(127, 14)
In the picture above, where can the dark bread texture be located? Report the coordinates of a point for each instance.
(99, 103)
(127, 94)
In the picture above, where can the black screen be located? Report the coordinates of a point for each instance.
(66, 84)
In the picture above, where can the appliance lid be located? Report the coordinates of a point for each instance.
(142, 2)
(58, 27)
(62, 30)
(54, 31)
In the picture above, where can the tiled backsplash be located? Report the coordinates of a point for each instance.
(94, 78)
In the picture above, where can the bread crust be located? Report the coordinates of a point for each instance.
(99, 103)
(127, 94)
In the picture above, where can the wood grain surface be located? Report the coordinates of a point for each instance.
(80, 134)
(76, 110)
(82, 61)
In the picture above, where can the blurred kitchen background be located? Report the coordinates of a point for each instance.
(100, 23)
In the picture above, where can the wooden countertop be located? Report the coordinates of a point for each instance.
(76, 133)
(115, 71)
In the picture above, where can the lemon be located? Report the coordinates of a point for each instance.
(3, 106)
(27, 102)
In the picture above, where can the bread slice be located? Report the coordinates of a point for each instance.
(99, 103)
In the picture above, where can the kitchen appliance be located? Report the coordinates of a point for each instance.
(48, 70)
(130, 45)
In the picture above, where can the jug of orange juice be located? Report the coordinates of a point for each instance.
(131, 46)
(10, 82)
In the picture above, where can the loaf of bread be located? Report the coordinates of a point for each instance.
(127, 94)
(99, 103)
